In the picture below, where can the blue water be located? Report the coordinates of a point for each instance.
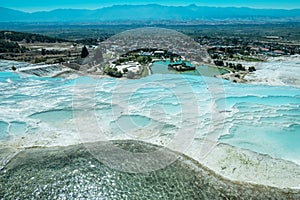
(264, 119)
(161, 67)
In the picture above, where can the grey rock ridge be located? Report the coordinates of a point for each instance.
(149, 12)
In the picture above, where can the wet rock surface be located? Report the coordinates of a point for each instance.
(72, 172)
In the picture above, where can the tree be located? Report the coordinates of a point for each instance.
(215, 56)
(251, 69)
(113, 72)
(239, 66)
(219, 62)
(84, 52)
(125, 70)
(141, 59)
(171, 59)
(43, 51)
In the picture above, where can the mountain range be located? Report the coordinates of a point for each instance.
(149, 12)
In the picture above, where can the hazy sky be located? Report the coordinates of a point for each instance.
(34, 5)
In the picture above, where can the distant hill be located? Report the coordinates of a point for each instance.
(149, 12)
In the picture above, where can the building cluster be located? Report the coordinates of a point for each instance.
(162, 40)
(239, 48)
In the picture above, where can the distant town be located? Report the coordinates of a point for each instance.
(107, 54)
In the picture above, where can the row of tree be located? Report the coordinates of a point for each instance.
(28, 37)
(238, 66)
(113, 72)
